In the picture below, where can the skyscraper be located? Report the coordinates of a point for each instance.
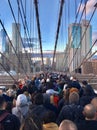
(16, 38)
(3, 41)
(79, 43)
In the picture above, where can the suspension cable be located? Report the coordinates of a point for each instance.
(7, 72)
(7, 59)
(30, 17)
(83, 35)
(24, 14)
(76, 28)
(58, 29)
(66, 54)
(39, 32)
(12, 45)
(17, 28)
(25, 26)
(84, 60)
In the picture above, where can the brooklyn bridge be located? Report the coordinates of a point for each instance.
(48, 64)
(35, 38)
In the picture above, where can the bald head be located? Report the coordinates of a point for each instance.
(67, 125)
(94, 102)
(89, 111)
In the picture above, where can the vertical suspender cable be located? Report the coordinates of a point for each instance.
(30, 18)
(25, 27)
(76, 30)
(58, 29)
(84, 34)
(39, 32)
(12, 46)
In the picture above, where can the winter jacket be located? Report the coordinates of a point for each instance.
(71, 112)
(10, 122)
(87, 125)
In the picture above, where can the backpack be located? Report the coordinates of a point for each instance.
(2, 117)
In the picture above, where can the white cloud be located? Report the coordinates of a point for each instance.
(89, 6)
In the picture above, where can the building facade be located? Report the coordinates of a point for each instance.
(87, 39)
(16, 37)
(80, 42)
(60, 61)
(3, 42)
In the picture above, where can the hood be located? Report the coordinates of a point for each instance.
(21, 100)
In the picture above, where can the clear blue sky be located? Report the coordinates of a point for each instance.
(48, 13)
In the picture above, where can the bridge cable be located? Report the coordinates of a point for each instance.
(9, 61)
(85, 58)
(7, 72)
(58, 29)
(25, 27)
(24, 15)
(76, 17)
(17, 28)
(39, 31)
(12, 45)
(83, 35)
(69, 46)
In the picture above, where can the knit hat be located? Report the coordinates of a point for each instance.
(21, 100)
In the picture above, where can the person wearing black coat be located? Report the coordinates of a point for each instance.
(8, 120)
(37, 107)
(90, 122)
(72, 111)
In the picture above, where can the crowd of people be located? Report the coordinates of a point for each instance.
(46, 102)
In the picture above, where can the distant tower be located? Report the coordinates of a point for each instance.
(74, 41)
(3, 41)
(76, 32)
(16, 38)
